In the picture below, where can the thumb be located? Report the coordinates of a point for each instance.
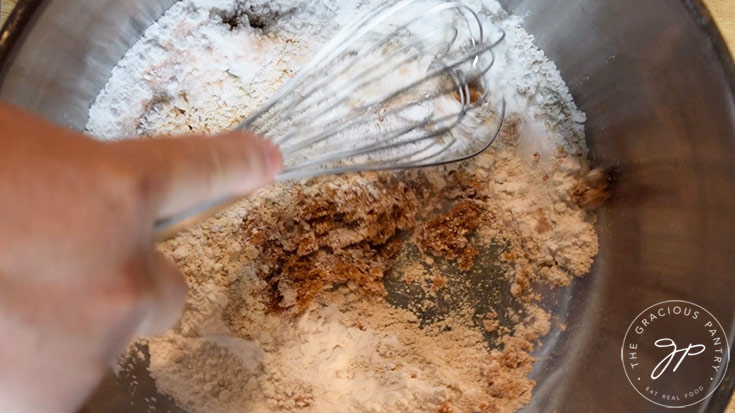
(183, 172)
(168, 297)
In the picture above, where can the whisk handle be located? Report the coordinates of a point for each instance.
(167, 228)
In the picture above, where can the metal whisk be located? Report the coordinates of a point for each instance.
(402, 86)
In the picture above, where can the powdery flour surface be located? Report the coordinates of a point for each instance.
(295, 294)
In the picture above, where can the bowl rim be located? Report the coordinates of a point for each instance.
(24, 15)
(13, 30)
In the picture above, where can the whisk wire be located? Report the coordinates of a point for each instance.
(396, 88)
(353, 33)
(349, 86)
(327, 130)
(334, 95)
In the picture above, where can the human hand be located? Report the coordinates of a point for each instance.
(79, 276)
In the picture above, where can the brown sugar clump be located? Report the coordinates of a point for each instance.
(461, 184)
(446, 407)
(476, 93)
(593, 190)
(509, 370)
(542, 224)
(331, 233)
(447, 235)
(491, 323)
(438, 282)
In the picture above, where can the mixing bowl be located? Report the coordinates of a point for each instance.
(657, 85)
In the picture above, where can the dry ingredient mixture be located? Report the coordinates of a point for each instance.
(373, 292)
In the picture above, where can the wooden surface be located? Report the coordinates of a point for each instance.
(723, 12)
(5, 6)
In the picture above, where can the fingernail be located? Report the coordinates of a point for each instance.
(273, 157)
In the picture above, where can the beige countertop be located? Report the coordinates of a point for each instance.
(723, 12)
(5, 6)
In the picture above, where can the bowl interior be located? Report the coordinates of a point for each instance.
(657, 85)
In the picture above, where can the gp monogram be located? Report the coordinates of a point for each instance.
(675, 354)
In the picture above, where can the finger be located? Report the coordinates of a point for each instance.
(168, 297)
(181, 173)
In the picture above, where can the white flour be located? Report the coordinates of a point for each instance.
(191, 72)
(203, 68)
